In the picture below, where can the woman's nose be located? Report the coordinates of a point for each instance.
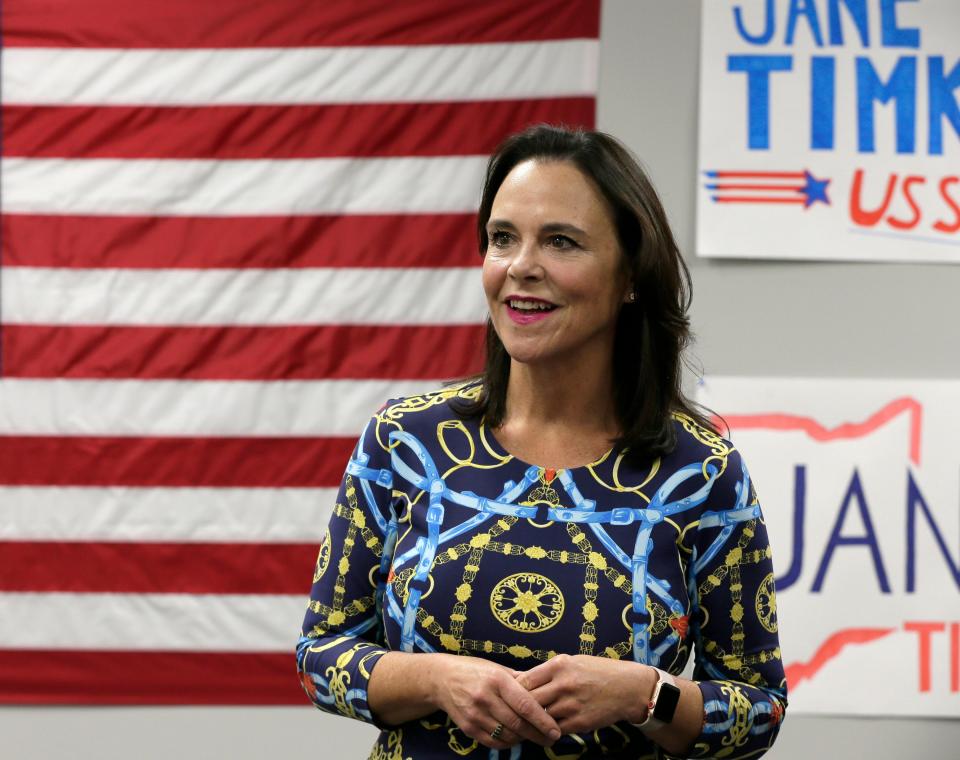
(526, 264)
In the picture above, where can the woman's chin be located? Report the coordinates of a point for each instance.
(531, 357)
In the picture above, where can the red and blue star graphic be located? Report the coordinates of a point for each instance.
(802, 187)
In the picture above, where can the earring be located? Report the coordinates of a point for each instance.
(632, 297)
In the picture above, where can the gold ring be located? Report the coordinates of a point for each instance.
(497, 731)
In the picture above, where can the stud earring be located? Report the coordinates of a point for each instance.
(632, 297)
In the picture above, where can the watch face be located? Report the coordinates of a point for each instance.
(666, 702)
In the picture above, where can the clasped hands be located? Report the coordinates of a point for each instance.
(567, 694)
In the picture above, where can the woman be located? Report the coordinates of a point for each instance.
(519, 565)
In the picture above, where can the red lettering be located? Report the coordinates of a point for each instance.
(857, 213)
(955, 657)
(924, 631)
(942, 226)
(908, 224)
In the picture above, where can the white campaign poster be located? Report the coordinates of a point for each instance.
(859, 481)
(830, 129)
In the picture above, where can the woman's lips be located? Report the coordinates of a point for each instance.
(526, 316)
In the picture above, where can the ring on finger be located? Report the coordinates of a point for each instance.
(497, 731)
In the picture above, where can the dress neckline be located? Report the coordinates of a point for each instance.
(500, 451)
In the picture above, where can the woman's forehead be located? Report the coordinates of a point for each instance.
(550, 192)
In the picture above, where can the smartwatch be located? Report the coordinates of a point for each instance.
(663, 703)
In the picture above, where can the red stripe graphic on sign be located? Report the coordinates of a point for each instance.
(293, 23)
(765, 187)
(756, 199)
(799, 672)
(844, 431)
(31, 676)
(134, 461)
(135, 242)
(243, 353)
(755, 175)
(735, 186)
(278, 132)
(181, 568)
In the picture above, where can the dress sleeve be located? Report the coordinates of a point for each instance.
(738, 664)
(343, 634)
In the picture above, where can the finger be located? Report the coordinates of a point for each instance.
(507, 736)
(516, 729)
(499, 736)
(547, 694)
(537, 676)
(531, 712)
(574, 724)
(562, 709)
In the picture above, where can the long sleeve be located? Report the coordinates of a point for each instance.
(343, 635)
(739, 665)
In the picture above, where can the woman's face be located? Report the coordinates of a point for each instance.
(553, 272)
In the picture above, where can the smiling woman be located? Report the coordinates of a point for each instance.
(520, 565)
(553, 272)
(607, 215)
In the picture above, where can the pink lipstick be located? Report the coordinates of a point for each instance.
(526, 309)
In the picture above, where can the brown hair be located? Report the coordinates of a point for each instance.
(652, 331)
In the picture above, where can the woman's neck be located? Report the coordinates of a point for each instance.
(545, 398)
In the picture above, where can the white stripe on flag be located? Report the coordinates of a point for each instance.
(242, 187)
(169, 515)
(395, 73)
(202, 622)
(42, 295)
(195, 408)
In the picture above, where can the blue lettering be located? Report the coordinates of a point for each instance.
(915, 499)
(893, 35)
(858, 12)
(758, 39)
(942, 101)
(823, 85)
(807, 9)
(901, 87)
(854, 493)
(758, 68)
(790, 577)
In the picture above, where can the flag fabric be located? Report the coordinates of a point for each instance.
(230, 231)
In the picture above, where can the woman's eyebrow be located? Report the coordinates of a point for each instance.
(549, 228)
(552, 227)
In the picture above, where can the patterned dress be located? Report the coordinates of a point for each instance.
(441, 541)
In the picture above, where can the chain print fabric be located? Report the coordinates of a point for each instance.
(441, 541)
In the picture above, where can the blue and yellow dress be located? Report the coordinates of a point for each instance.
(441, 541)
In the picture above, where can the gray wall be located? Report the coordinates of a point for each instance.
(834, 320)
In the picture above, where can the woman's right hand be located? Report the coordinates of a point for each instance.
(478, 694)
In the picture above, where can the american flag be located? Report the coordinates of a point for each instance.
(230, 231)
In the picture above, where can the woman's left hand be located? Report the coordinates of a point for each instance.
(583, 693)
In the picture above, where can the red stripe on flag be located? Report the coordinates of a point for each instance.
(277, 132)
(292, 23)
(402, 240)
(72, 677)
(133, 461)
(156, 568)
(243, 353)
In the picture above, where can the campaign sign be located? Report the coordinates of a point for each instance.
(859, 483)
(830, 129)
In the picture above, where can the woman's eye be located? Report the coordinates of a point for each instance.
(561, 241)
(499, 239)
